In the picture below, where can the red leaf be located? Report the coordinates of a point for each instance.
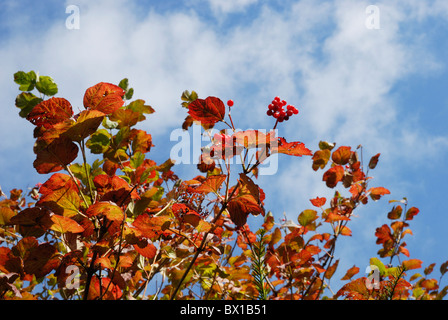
(63, 225)
(411, 213)
(41, 260)
(114, 189)
(104, 97)
(333, 175)
(208, 111)
(318, 202)
(55, 156)
(383, 234)
(374, 161)
(296, 148)
(50, 112)
(98, 289)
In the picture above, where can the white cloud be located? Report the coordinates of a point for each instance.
(229, 6)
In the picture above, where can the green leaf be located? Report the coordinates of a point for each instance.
(307, 217)
(129, 93)
(46, 86)
(26, 101)
(124, 84)
(27, 81)
(137, 159)
(99, 141)
(377, 262)
(324, 145)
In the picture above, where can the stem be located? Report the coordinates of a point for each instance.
(84, 158)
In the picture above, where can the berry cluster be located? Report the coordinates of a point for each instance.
(276, 110)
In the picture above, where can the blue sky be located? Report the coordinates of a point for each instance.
(383, 88)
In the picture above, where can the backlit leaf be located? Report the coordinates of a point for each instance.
(411, 213)
(318, 202)
(104, 97)
(211, 184)
(412, 264)
(63, 225)
(342, 155)
(87, 123)
(150, 227)
(207, 111)
(350, 273)
(55, 156)
(50, 112)
(395, 213)
(376, 193)
(107, 209)
(333, 175)
(374, 161)
(307, 217)
(46, 86)
(320, 159)
(41, 260)
(296, 148)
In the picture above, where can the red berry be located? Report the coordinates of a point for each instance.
(289, 112)
(271, 106)
(295, 111)
(230, 103)
(284, 103)
(269, 112)
(276, 114)
(286, 118)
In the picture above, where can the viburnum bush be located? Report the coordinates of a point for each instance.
(125, 227)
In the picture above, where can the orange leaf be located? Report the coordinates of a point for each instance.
(376, 193)
(50, 112)
(211, 184)
(149, 251)
(63, 225)
(86, 123)
(331, 270)
(318, 202)
(350, 273)
(107, 209)
(104, 97)
(150, 227)
(208, 111)
(412, 264)
(333, 175)
(60, 194)
(341, 155)
(296, 148)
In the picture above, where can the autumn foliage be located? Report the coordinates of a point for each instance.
(126, 227)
